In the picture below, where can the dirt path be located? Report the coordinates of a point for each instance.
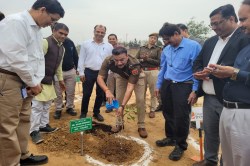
(155, 129)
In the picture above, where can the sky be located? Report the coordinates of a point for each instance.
(128, 19)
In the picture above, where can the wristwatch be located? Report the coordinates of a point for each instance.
(195, 91)
(235, 73)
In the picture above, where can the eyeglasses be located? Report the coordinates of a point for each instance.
(166, 38)
(51, 18)
(216, 24)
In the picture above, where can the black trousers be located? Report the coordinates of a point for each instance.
(90, 80)
(176, 111)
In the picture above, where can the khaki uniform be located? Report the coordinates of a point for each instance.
(150, 66)
(130, 73)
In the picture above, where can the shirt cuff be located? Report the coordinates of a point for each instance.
(242, 76)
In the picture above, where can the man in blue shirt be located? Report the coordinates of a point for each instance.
(178, 88)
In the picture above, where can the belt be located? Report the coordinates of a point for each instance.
(92, 70)
(184, 82)
(236, 105)
(150, 68)
(8, 72)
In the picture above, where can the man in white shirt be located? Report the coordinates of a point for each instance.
(92, 54)
(219, 49)
(21, 68)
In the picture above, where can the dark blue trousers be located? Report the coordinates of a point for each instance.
(176, 111)
(90, 80)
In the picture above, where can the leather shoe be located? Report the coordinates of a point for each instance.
(142, 132)
(205, 163)
(98, 117)
(83, 116)
(34, 160)
(71, 111)
(57, 114)
(176, 154)
(151, 114)
(165, 142)
(108, 111)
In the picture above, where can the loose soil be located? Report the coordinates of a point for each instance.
(98, 143)
(64, 148)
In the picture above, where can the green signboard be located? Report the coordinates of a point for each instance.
(80, 125)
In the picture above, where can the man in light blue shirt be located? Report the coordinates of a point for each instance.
(178, 87)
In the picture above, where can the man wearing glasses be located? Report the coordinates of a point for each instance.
(219, 49)
(22, 67)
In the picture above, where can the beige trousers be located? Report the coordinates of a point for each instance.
(14, 121)
(69, 78)
(150, 80)
(121, 86)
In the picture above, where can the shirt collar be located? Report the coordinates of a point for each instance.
(227, 38)
(147, 46)
(58, 43)
(30, 19)
(181, 45)
(92, 41)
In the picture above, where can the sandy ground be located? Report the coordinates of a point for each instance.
(155, 129)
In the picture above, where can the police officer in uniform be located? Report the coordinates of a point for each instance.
(149, 56)
(129, 78)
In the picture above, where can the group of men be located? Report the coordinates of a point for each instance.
(225, 88)
(219, 70)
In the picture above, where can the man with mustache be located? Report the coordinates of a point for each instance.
(235, 117)
(219, 49)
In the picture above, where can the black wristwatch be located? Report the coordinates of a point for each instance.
(195, 91)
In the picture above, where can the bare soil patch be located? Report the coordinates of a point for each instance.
(64, 148)
(99, 143)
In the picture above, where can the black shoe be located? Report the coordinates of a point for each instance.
(83, 116)
(71, 111)
(193, 125)
(48, 129)
(176, 154)
(205, 163)
(36, 137)
(57, 114)
(103, 104)
(34, 160)
(165, 142)
(98, 117)
(159, 108)
(108, 111)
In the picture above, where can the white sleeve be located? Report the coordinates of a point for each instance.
(81, 60)
(16, 39)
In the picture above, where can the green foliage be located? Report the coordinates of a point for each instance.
(198, 29)
(134, 44)
(159, 43)
(130, 112)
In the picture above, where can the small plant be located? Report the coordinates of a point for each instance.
(130, 111)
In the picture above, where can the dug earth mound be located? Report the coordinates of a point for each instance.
(98, 143)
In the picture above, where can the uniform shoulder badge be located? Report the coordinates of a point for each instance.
(135, 71)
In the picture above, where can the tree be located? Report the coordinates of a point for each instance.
(198, 29)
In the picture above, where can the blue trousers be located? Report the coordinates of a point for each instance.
(90, 80)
